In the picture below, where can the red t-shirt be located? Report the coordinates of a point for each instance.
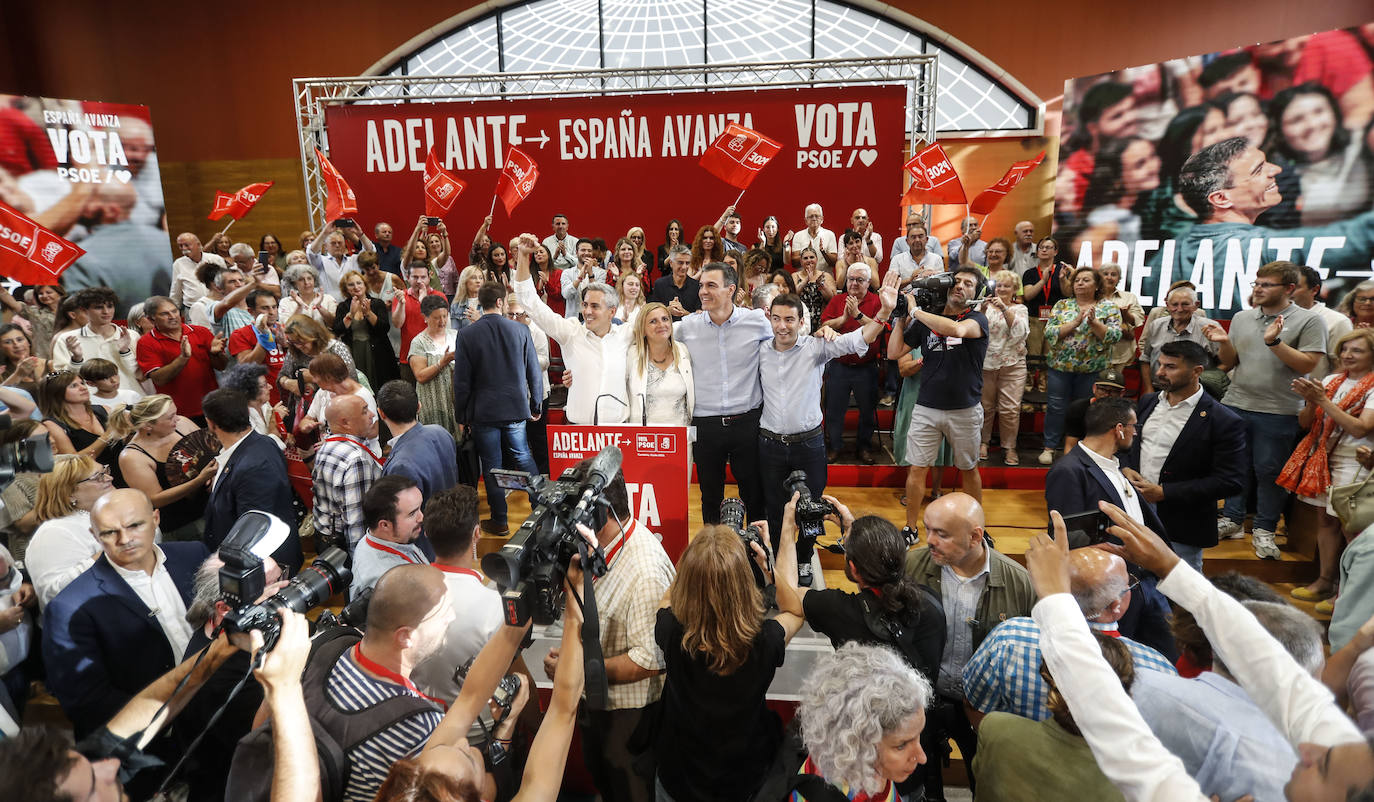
(870, 305)
(244, 339)
(413, 324)
(196, 378)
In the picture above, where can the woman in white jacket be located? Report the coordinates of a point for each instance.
(658, 372)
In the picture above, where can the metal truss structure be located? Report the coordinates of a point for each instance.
(918, 73)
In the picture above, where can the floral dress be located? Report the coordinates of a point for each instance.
(1080, 351)
(436, 395)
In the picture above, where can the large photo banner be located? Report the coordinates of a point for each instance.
(1298, 187)
(610, 163)
(88, 172)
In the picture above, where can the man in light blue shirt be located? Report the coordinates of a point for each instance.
(724, 339)
(791, 369)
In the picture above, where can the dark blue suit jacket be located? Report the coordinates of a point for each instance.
(101, 643)
(254, 479)
(496, 376)
(1207, 463)
(1076, 484)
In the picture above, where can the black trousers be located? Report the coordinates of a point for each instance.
(733, 439)
(620, 776)
(945, 721)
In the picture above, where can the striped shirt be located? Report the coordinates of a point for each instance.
(351, 690)
(1004, 674)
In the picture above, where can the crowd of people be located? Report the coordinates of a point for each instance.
(359, 392)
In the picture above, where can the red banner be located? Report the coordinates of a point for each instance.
(655, 466)
(517, 179)
(341, 202)
(933, 179)
(441, 187)
(613, 162)
(988, 199)
(241, 202)
(31, 253)
(737, 156)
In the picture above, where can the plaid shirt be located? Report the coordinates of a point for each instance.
(1004, 674)
(627, 598)
(343, 471)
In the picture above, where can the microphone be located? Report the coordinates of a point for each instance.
(601, 471)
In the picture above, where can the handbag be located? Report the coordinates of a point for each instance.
(1354, 504)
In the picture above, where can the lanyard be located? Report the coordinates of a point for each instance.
(453, 569)
(382, 671)
(615, 549)
(383, 547)
(359, 444)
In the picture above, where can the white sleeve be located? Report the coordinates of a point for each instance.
(1127, 751)
(553, 324)
(1360, 683)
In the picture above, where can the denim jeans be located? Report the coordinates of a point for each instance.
(499, 444)
(776, 462)
(1271, 443)
(1189, 554)
(1064, 388)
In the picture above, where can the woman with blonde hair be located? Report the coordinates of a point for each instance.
(658, 372)
(1004, 367)
(464, 310)
(63, 546)
(644, 261)
(631, 290)
(363, 323)
(157, 429)
(306, 339)
(719, 656)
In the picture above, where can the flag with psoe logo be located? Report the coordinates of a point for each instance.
(738, 155)
(933, 179)
(240, 203)
(442, 188)
(988, 199)
(517, 179)
(339, 201)
(31, 253)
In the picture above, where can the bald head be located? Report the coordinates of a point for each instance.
(119, 501)
(1098, 580)
(403, 597)
(125, 523)
(348, 414)
(961, 505)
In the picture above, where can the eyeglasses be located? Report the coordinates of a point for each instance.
(103, 476)
(1369, 300)
(1266, 284)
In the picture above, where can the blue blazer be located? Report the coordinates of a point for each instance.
(101, 643)
(254, 479)
(1207, 463)
(1076, 484)
(496, 375)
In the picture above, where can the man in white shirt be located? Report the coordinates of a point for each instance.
(1023, 255)
(391, 511)
(899, 245)
(574, 280)
(872, 240)
(917, 260)
(336, 261)
(100, 338)
(186, 288)
(562, 245)
(594, 350)
(1309, 287)
(822, 240)
(242, 255)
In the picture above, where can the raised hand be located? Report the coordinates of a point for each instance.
(186, 346)
(125, 341)
(1213, 331)
(74, 347)
(1138, 544)
(851, 307)
(1273, 330)
(888, 292)
(217, 346)
(1047, 559)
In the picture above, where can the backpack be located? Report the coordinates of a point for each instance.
(336, 731)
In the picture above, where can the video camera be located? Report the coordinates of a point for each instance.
(242, 579)
(32, 454)
(531, 567)
(932, 293)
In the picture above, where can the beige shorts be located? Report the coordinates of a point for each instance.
(962, 428)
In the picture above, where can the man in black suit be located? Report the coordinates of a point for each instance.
(1090, 473)
(1190, 452)
(122, 623)
(251, 476)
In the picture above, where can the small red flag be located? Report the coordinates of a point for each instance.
(933, 179)
(31, 253)
(988, 199)
(442, 188)
(738, 155)
(241, 202)
(340, 201)
(517, 179)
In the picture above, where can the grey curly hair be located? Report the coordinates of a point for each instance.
(294, 274)
(851, 700)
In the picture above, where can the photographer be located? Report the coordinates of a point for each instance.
(716, 731)
(949, 405)
(638, 573)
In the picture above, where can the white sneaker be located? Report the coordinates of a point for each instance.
(1264, 544)
(1228, 529)
(1046, 457)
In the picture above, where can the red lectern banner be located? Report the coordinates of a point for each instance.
(655, 465)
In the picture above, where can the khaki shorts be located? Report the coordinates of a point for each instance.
(963, 428)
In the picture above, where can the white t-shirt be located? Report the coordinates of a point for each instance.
(320, 403)
(479, 616)
(125, 397)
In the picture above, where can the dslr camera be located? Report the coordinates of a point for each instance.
(531, 567)
(32, 454)
(732, 513)
(243, 578)
(810, 513)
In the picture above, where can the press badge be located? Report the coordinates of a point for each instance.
(950, 342)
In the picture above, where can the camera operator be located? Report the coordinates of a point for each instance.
(628, 594)
(716, 731)
(949, 405)
(448, 768)
(791, 371)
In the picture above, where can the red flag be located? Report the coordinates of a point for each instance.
(340, 201)
(517, 179)
(241, 202)
(988, 199)
(442, 188)
(31, 253)
(933, 179)
(738, 155)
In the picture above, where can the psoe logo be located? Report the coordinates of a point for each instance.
(51, 251)
(655, 443)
